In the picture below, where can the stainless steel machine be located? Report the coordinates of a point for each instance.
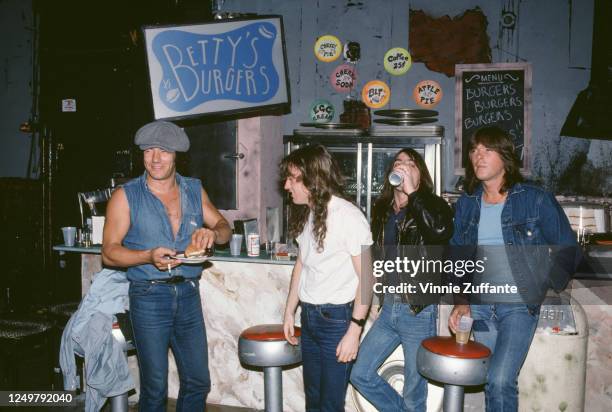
(363, 156)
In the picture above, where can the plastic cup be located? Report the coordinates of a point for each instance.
(235, 245)
(462, 336)
(69, 233)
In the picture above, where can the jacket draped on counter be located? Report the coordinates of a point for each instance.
(89, 334)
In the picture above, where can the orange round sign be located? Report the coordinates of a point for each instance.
(427, 93)
(375, 94)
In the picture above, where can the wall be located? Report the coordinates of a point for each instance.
(555, 36)
(260, 140)
(16, 35)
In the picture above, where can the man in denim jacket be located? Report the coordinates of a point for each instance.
(529, 227)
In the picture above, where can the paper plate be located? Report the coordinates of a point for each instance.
(190, 260)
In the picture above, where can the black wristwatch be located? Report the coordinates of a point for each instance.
(360, 322)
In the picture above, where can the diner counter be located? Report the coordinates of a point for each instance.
(221, 255)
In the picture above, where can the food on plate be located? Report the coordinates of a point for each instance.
(193, 251)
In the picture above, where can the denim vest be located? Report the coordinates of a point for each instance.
(150, 226)
(531, 216)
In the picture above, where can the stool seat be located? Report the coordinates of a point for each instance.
(19, 328)
(265, 346)
(268, 332)
(447, 346)
(441, 359)
(455, 365)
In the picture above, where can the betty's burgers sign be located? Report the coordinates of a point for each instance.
(216, 68)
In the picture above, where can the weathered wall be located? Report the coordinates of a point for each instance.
(555, 36)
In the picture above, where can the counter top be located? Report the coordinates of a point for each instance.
(220, 255)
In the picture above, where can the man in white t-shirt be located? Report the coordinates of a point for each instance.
(332, 234)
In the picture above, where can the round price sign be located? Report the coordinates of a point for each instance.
(343, 78)
(375, 94)
(397, 61)
(327, 48)
(321, 111)
(427, 93)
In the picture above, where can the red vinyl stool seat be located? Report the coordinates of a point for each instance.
(268, 332)
(265, 346)
(456, 365)
(447, 346)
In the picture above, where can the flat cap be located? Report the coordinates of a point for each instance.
(164, 135)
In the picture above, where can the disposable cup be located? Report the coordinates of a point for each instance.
(462, 336)
(235, 245)
(69, 233)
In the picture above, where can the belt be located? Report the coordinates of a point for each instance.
(172, 280)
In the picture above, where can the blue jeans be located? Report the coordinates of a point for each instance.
(325, 379)
(395, 325)
(506, 329)
(170, 315)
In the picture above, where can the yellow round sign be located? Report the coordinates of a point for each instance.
(327, 48)
(375, 94)
(427, 93)
(397, 61)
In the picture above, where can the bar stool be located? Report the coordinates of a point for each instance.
(60, 314)
(265, 346)
(455, 365)
(24, 352)
(118, 403)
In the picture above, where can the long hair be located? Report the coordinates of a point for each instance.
(496, 139)
(426, 183)
(321, 176)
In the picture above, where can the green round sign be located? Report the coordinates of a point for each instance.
(321, 111)
(397, 61)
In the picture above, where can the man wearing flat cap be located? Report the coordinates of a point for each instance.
(148, 220)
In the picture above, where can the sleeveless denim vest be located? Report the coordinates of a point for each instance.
(150, 226)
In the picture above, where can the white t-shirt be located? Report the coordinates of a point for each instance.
(329, 276)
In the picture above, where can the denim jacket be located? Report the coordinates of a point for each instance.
(531, 216)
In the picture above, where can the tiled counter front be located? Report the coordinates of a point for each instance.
(235, 296)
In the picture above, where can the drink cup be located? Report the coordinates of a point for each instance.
(235, 245)
(462, 336)
(396, 178)
(69, 233)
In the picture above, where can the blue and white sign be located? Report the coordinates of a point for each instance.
(216, 67)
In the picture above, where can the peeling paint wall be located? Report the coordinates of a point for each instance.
(554, 35)
(16, 36)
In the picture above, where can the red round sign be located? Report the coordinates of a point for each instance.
(343, 78)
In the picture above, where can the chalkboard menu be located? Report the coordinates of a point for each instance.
(496, 94)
